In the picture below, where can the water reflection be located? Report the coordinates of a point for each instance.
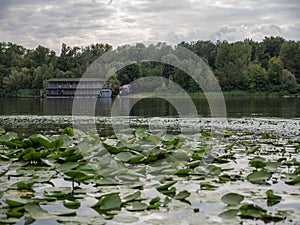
(64, 106)
(236, 107)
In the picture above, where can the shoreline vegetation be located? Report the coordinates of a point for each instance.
(271, 66)
(216, 94)
(195, 95)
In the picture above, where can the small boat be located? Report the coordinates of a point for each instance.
(105, 93)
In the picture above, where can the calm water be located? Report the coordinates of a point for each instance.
(235, 107)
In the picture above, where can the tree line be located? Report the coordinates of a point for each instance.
(272, 65)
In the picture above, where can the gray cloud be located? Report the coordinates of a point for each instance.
(82, 22)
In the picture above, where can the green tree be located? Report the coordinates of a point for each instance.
(19, 78)
(258, 79)
(290, 82)
(231, 63)
(267, 49)
(290, 56)
(275, 67)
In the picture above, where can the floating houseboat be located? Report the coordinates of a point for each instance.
(77, 87)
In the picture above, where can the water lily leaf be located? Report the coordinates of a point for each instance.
(297, 171)
(68, 131)
(272, 199)
(293, 181)
(112, 149)
(258, 176)
(183, 172)
(10, 220)
(132, 197)
(32, 156)
(154, 200)
(271, 166)
(210, 169)
(106, 182)
(14, 202)
(207, 186)
(2, 131)
(141, 133)
(169, 192)
(257, 163)
(206, 134)
(181, 156)
(229, 147)
(36, 212)
(25, 185)
(166, 186)
(67, 166)
(182, 195)
(9, 136)
(41, 179)
(4, 157)
(229, 214)
(56, 144)
(64, 212)
(124, 156)
(109, 202)
(136, 206)
(252, 150)
(72, 204)
(49, 162)
(78, 175)
(40, 140)
(251, 211)
(15, 214)
(268, 136)
(171, 144)
(232, 198)
(268, 218)
(59, 194)
(83, 146)
(11, 140)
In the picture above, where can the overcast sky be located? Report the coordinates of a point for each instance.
(117, 22)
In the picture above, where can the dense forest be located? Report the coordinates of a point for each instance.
(272, 65)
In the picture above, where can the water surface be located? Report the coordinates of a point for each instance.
(154, 107)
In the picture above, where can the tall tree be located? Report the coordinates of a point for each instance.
(275, 74)
(290, 56)
(231, 63)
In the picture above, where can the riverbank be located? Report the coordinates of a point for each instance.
(214, 94)
(282, 94)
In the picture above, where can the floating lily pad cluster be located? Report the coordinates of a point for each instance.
(56, 177)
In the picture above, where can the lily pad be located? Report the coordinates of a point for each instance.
(132, 197)
(232, 199)
(14, 202)
(293, 181)
(259, 176)
(182, 195)
(109, 202)
(68, 131)
(36, 212)
(272, 199)
(257, 163)
(166, 186)
(229, 214)
(136, 206)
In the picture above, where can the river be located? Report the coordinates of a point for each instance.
(236, 107)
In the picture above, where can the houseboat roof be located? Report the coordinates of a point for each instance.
(76, 80)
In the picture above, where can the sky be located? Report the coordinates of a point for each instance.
(117, 22)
